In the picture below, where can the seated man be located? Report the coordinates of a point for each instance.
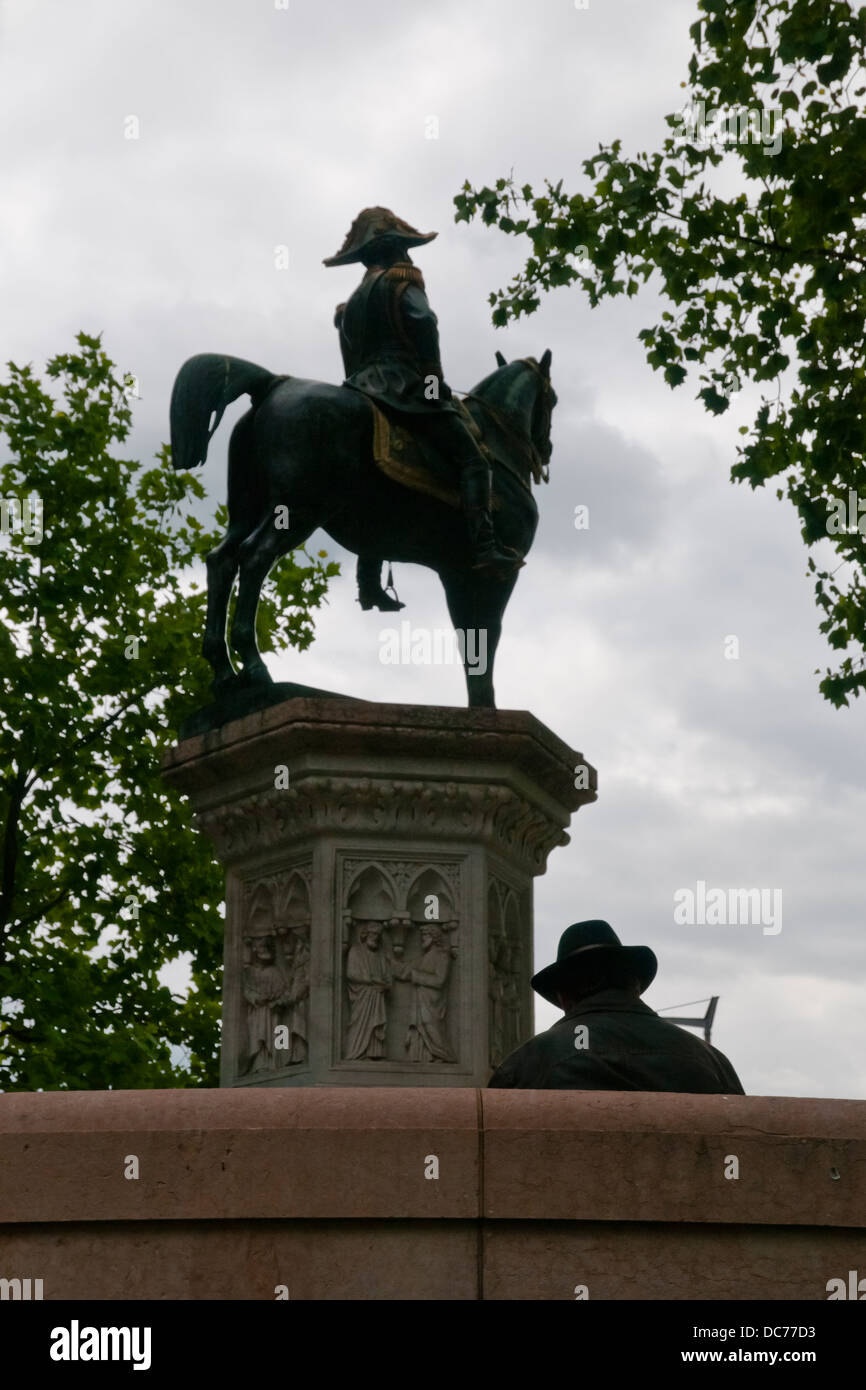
(609, 1040)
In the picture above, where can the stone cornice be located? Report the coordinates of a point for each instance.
(430, 734)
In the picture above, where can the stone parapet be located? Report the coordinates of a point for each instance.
(451, 1193)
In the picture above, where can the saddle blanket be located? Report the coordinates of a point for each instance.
(415, 464)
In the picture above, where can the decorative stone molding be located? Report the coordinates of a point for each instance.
(494, 814)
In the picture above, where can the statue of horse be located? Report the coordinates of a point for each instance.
(308, 446)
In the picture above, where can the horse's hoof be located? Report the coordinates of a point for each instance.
(255, 675)
(220, 688)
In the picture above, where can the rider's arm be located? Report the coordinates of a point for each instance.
(422, 329)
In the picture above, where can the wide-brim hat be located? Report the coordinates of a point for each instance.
(589, 942)
(369, 226)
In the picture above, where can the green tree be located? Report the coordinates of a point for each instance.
(103, 879)
(765, 284)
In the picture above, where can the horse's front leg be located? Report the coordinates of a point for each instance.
(478, 649)
(476, 602)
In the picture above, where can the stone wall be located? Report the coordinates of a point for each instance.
(436, 1193)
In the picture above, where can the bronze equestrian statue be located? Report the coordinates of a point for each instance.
(323, 452)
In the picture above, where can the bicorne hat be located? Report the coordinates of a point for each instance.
(368, 226)
(586, 942)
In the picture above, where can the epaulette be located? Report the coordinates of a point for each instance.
(406, 272)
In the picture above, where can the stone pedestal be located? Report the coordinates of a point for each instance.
(379, 865)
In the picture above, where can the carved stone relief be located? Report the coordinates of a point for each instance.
(275, 974)
(506, 967)
(400, 928)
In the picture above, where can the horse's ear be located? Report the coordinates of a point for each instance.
(544, 364)
(500, 360)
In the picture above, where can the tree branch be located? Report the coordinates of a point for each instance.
(17, 793)
(40, 911)
(86, 739)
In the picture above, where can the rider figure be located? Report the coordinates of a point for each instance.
(390, 344)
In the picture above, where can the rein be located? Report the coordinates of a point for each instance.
(528, 448)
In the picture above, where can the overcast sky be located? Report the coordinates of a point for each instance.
(261, 127)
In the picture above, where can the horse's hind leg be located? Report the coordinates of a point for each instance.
(257, 555)
(222, 564)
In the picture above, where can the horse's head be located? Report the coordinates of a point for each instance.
(521, 394)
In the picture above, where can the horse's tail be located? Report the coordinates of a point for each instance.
(202, 389)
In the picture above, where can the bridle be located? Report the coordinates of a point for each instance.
(544, 399)
(539, 462)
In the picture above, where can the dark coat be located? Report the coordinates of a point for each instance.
(628, 1048)
(389, 338)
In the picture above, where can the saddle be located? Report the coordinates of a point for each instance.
(415, 463)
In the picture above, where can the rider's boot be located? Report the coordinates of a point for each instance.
(370, 591)
(488, 553)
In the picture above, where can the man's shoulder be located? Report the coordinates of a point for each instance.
(618, 1012)
(527, 1062)
(612, 1041)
